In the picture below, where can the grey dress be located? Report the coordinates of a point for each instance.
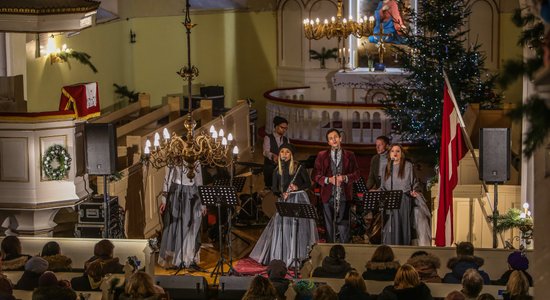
(399, 222)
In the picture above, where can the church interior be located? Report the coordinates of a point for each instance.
(103, 104)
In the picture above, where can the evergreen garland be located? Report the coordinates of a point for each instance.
(512, 219)
(61, 155)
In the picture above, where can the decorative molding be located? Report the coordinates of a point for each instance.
(9, 167)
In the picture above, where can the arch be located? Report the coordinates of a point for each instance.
(325, 119)
(336, 120)
(355, 120)
(483, 28)
(290, 37)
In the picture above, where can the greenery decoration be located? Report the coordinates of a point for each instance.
(512, 219)
(123, 92)
(81, 57)
(61, 155)
(415, 105)
(323, 55)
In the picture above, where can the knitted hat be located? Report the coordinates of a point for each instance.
(37, 265)
(276, 269)
(278, 121)
(289, 147)
(47, 279)
(518, 261)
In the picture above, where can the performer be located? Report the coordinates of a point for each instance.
(378, 163)
(400, 176)
(277, 240)
(272, 142)
(335, 171)
(388, 17)
(182, 213)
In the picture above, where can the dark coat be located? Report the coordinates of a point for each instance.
(506, 276)
(322, 170)
(348, 292)
(419, 292)
(381, 271)
(28, 281)
(96, 268)
(281, 285)
(374, 181)
(460, 264)
(332, 268)
(53, 292)
(426, 266)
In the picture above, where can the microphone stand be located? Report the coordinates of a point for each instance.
(336, 198)
(391, 189)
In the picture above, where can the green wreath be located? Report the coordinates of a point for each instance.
(61, 155)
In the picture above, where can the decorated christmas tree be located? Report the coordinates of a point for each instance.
(436, 43)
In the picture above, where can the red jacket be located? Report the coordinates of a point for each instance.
(322, 170)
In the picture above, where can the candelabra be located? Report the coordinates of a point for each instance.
(207, 148)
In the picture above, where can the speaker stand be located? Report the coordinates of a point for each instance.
(495, 215)
(106, 212)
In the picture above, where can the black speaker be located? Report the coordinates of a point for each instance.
(183, 287)
(494, 154)
(232, 287)
(101, 149)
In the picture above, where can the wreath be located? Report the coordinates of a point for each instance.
(61, 155)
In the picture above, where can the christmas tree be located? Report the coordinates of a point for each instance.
(435, 42)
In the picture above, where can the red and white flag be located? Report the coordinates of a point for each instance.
(452, 150)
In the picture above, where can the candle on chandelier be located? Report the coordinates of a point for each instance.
(156, 141)
(235, 150)
(230, 137)
(165, 134)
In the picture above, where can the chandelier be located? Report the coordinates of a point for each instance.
(207, 148)
(340, 28)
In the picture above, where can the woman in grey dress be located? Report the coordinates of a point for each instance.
(277, 239)
(399, 222)
(182, 213)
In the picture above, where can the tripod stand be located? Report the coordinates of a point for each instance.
(382, 200)
(218, 196)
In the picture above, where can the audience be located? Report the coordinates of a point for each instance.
(354, 288)
(516, 261)
(324, 292)
(260, 289)
(382, 266)
(57, 261)
(486, 296)
(97, 266)
(276, 272)
(463, 261)
(426, 265)
(6, 288)
(334, 265)
(12, 259)
(455, 295)
(140, 285)
(472, 284)
(34, 268)
(407, 285)
(50, 288)
(517, 287)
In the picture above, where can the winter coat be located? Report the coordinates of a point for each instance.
(28, 281)
(53, 292)
(504, 278)
(15, 262)
(381, 271)
(96, 268)
(332, 268)
(281, 285)
(58, 263)
(349, 292)
(419, 292)
(460, 264)
(426, 266)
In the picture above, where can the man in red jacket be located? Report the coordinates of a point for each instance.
(335, 171)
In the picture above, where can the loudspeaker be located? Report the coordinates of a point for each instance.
(232, 287)
(494, 154)
(101, 150)
(183, 287)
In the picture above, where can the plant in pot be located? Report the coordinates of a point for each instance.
(323, 55)
(515, 218)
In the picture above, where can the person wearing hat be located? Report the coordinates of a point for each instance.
(517, 261)
(277, 240)
(271, 145)
(34, 268)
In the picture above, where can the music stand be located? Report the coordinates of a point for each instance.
(237, 183)
(382, 200)
(218, 196)
(296, 211)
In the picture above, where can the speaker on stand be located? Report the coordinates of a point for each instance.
(494, 163)
(101, 154)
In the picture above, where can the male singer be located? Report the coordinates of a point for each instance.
(378, 163)
(335, 171)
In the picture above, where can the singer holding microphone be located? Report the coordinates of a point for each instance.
(290, 180)
(335, 171)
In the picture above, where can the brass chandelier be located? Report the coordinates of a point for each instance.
(207, 148)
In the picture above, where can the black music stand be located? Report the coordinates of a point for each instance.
(237, 183)
(218, 196)
(382, 200)
(296, 211)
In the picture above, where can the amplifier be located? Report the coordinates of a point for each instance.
(91, 212)
(88, 231)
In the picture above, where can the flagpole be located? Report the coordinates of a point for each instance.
(469, 145)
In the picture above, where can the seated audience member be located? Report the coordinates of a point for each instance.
(516, 261)
(472, 284)
(50, 288)
(334, 265)
(486, 296)
(517, 287)
(140, 285)
(463, 261)
(6, 288)
(12, 259)
(260, 289)
(455, 295)
(354, 288)
(324, 292)
(57, 261)
(34, 268)
(99, 265)
(276, 272)
(382, 266)
(426, 265)
(407, 285)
